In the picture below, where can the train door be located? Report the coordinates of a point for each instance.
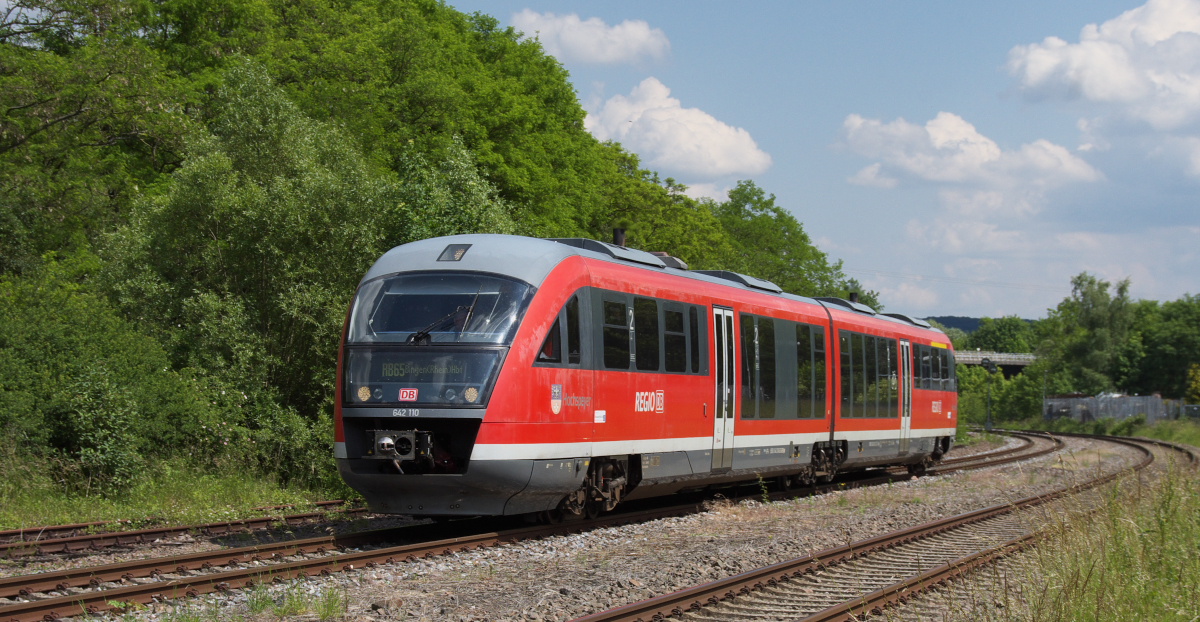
(724, 336)
(906, 385)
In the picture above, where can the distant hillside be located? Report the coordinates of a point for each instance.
(965, 324)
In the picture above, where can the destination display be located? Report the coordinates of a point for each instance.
(399, 376)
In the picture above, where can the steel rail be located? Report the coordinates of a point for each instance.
(1026, 442)
(50, 532)
(241, 577)
(697, 597)
(94, 602)
(141, 536)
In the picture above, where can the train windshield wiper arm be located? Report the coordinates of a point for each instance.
(469, 311)
(424, 332)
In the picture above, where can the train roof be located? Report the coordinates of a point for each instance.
(532, 259)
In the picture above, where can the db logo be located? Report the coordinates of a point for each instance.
(648, 401)
(407, 395)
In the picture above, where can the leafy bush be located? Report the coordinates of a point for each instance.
(82, 381)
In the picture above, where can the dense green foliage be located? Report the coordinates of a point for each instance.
(1096, 340)
(191, 189)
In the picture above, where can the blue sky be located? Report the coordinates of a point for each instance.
(961, 159)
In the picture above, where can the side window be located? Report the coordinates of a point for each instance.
(645, 330)
(893, 379)
(749, 352)
(946, 370)
(551, 351)
(936, 375)
(804, 372)
(859, 387)
(616, 335)
(953, 372)
(845, 374)
(694, 322)
(674, 341)
(871, 373)
(818, 341)
(767, 391)
(925, 366)
(573, 331)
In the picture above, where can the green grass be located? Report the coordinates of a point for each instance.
(1135, 559)
(1185, 431)
(170, 492)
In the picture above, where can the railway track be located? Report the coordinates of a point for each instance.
(861, 578)
(67, 593)
(75, 538)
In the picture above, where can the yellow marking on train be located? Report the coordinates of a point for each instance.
(939, 345)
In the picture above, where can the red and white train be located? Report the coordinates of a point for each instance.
(491, 374)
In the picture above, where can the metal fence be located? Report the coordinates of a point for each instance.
(1084, 409)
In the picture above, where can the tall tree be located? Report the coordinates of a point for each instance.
(1083, 336)
(1006, 334)
(769, 243)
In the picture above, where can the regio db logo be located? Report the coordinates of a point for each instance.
(648, 401)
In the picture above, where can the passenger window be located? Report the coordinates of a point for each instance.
(925, 366)
(936, 375)
(804, 371)
(645, 331)
(859, 387)
(674, 341)
(766, 368)
(573, 331)
(748, 353)
(846, 373)
(871, 372)
(893, 379)
(551, 351)
(694, 320)
(818, 336)
(946, 370)
(616, 335)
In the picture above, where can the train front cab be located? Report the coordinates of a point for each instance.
(435, 338)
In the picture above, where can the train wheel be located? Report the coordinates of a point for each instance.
(784, 482)
(593, 509)
(550, 517)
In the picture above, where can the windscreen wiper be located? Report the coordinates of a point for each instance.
(422, 334)
(469, 311)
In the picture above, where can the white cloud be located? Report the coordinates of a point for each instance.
(979, 176)
(716, 192)
(906, 295)
(569, 38)
(869, 176)
(1146, 62)
(675, 139)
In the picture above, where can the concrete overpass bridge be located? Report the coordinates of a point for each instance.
(1010, 364)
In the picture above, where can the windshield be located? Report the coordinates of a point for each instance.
(440, 308)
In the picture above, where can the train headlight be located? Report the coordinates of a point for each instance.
(378, 394)
(471, 394)
(450, 394)
(364, 394)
